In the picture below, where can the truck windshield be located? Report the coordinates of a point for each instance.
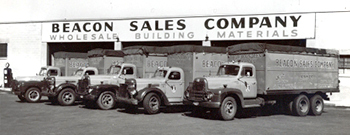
(228, 70)
(160, 73)
(42, 72)
(79, 72)
(114, 69)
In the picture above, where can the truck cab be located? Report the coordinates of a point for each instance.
(63, 89)
(28, 88)
(234, 83)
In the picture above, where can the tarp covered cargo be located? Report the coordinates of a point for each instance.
(194, 48)
(262, 47)
(105, 52)
(144, 50)
(70, 55)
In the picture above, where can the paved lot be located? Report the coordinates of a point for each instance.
(46, 119)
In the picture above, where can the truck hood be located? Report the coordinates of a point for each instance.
(218, 82)
(63, 79)
(29, 78)
(143, 82)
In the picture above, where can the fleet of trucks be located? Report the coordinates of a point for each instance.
(222, 80)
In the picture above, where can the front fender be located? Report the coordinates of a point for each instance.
(236, 93)
(142, 93)
(98, 89)
(64, 86)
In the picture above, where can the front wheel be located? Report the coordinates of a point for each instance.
(316, 105)
(151, 103)
(66, 97)
(106, 100)
(228, 108)
(301, 105)
(33, 95)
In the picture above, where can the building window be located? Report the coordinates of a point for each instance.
(3, 50)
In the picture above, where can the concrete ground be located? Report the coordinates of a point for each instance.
(341, 99)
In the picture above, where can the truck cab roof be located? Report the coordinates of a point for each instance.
(238, 63)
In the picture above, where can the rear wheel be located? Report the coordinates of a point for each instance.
(228, 108)
(316, 105)
(301, 105)
(66, 97)
(22, 98)
(33, 95)
(151, 103)
(106, 100)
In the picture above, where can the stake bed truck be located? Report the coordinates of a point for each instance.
(297, 78)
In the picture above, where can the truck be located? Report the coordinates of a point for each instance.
(63, 89)
(167, 84)
(296, 78)
(28, 88)
(118, 72)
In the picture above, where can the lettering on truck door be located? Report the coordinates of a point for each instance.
(174, 87)
(249, 82)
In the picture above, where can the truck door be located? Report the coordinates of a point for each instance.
(174, 88)
(249, 87)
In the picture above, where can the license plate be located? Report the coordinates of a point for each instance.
(195, 103)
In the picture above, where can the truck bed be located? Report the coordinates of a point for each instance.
(290, 69)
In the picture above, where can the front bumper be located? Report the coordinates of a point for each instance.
(130, 101)
(88, 97)
(49, 93)
(207, 104)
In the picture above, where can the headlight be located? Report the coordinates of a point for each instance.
(187, 94)
(131, 84)
(133, 92)
(209, 95)
(90, 90)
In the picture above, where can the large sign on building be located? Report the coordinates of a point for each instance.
(250, 27)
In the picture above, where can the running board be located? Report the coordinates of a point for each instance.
(249, 103)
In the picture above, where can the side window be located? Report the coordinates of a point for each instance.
(247, 71)
(52, 72)
(90, 72)
(128, 70)
(174, 76)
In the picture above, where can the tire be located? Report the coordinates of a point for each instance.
(228, 108)
(21, 98)
(316, 105)
(106, 100)
(33, 95)
(151, 103)
(301, 105)
(66, 97)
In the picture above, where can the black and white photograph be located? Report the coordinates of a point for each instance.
(227, 67)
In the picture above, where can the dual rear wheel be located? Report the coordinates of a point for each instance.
(302, 105)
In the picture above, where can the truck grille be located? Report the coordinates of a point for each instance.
(83, 85)
(197, 93)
